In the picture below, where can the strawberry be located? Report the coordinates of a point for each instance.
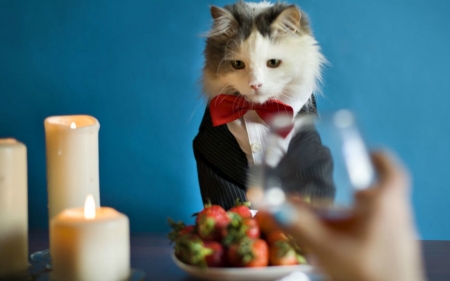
(240, 228)
(283, 250)
(249, 253)
(187, 230)
(252, 227)
(283, 253)
(276, 235)
(218, 256)
(191, 250)
(179, 229)
(242, 209)
(187, 248)
(211, 221)
(266, 222)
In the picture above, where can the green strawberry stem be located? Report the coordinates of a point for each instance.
(192, 251)
(245, 251)
(238, 202)
(236, 230)
(176, 228)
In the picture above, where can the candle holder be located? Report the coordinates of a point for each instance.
(42, 257)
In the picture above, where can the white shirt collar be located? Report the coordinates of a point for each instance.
(250, 132)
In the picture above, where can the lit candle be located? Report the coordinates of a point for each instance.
(13, 208)
(72, 161)
(89, 244)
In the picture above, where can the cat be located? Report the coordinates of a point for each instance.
(259, 52)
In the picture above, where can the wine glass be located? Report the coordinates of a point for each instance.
(324, 163)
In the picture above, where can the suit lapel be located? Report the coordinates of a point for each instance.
(220, 150)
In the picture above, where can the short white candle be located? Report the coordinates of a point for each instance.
(72, 161)
(13, 208)
(88, 244)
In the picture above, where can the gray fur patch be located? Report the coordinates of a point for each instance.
(264, 20)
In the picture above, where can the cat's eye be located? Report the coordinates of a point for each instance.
(273, 63)
(237, 64)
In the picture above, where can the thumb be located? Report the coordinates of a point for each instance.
(391, 172)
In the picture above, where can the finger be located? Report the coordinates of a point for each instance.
(364, 199)
(391, 173)
(304, 225)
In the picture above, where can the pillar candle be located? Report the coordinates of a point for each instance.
(88, 248)
(72, 161)
(13, 208)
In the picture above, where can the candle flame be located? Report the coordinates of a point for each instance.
(73, 125)
(89, 207)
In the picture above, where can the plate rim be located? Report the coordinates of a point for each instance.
(240, 272)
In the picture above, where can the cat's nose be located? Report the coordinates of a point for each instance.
(255, 86)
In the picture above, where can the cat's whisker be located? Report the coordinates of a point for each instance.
(189, 119)
(219, 101)
(228, 89)
(236, 105)
(287, 94)
(222, 90)
(239, 104)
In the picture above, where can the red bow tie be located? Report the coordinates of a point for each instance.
(227, 108)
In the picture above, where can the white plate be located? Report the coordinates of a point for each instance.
(269, 273)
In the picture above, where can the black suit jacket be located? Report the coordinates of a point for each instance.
(222, 165)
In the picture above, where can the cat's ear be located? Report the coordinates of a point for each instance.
(218, 13)
(288, 21)
(224, 22)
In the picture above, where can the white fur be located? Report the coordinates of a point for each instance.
(299, 70)
(259, 5)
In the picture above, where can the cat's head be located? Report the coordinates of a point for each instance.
(260, 51)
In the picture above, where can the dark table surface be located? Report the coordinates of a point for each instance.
(151, 253)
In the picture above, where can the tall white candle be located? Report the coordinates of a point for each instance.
(72, 161)
(86, 247)
(13, 208)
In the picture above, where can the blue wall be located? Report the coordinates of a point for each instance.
(134, 65)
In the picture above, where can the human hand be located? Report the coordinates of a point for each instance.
(377, 243)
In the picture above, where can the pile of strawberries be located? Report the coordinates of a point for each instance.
(233, 239)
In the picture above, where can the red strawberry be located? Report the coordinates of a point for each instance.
(191, 250)
(283, 250)
(218, 256)
(276, 235)
(187, 248)
(249, 253)
(242, 209)
(266, 222)
(187, 230)
(240, 228)
(283, 253)
(211, 221)
(179, 229)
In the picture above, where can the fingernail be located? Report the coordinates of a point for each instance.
(286, 215)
